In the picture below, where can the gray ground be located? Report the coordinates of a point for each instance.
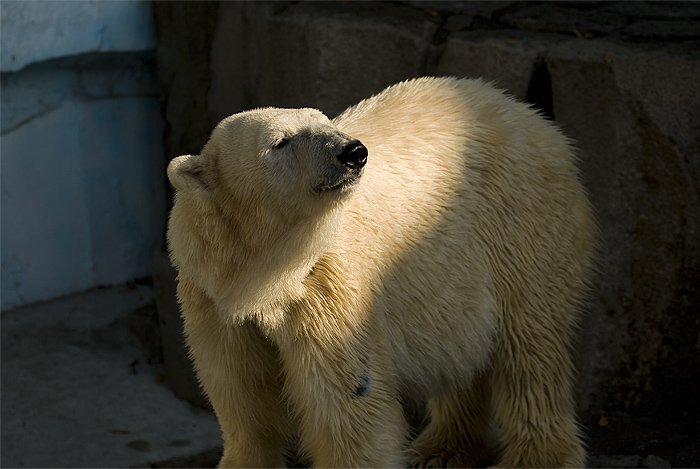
(80, 390)
(82, 387)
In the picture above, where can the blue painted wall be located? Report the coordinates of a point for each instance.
(81, 161)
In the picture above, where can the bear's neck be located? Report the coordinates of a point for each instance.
(257, 272)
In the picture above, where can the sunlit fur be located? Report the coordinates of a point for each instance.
(451, 271)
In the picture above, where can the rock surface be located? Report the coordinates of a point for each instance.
(632, 111)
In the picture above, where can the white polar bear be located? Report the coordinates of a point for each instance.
(433, 240)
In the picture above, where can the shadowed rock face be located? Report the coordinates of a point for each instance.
(621, 79)
(632, 116)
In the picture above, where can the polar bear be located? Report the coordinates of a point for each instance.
(432, 241)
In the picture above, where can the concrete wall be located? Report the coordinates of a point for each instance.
(82, 166)
(620, 77)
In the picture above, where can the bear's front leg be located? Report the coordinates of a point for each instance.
(344, 390)
(240, 372)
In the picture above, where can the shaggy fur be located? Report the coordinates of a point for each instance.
(450, 268)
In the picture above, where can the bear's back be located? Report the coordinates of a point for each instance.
(468, 198)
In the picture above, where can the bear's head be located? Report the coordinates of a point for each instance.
(260, 204)
(288, 161)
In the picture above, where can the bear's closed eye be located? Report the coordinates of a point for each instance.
(282, 143)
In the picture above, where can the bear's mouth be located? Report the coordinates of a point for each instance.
(344, 182)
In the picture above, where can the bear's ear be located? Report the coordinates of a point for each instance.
(188, 173)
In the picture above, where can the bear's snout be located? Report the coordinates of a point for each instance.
(345, 169)
(353, 155)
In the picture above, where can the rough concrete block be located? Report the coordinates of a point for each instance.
(236, 57)
(179, 372)
(43, 198)
(184, 31)
(33, 92)
(615, 461)
(656, 462)
(663, 31)
(42, 87)
(483, 9)
(74, 182)
(634, 111)
(509, 59)
(556, 18)
(671, 11)
(327, 56)
(364, 51)
(41, 30)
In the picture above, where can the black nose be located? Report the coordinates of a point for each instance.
(354, 155)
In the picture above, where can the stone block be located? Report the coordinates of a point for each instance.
(576, 19)
(236, 57)
(74, 182)
(656, 462)
(184, 33)
(668, 11)
(38, 199)
(42, 87)
(511, 60)
(484, 9)
(320, 55)
(654, 30)
(179, 372)
(615, 461)
(42, 30)
(634, 109)
(33, 92)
